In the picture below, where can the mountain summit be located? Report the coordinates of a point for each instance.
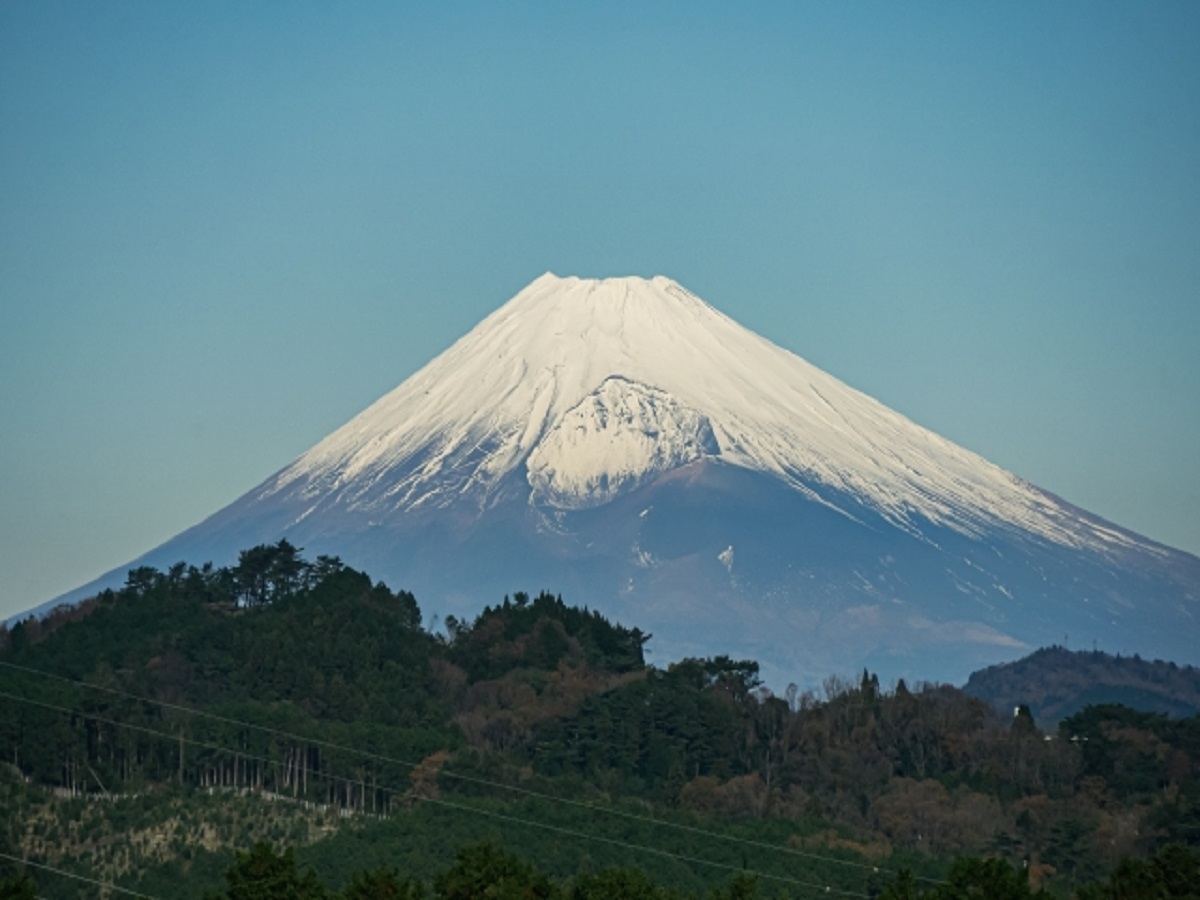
(623, 442)
(586, 389)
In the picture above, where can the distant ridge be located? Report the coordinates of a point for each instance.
(1056, 683)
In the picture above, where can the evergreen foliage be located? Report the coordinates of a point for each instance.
(18, 887)
(263, 874)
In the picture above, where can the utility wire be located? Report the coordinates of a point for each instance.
(176, 738)
(104, 884)
(825, 889)
(468, 779)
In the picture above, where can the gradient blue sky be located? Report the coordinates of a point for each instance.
(225, 228)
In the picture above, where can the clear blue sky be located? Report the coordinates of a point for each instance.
(225, 228)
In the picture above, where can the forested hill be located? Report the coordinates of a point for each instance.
(155, 729)
(1056, 683)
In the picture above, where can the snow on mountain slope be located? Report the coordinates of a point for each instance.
(586, 387)
(615, 439)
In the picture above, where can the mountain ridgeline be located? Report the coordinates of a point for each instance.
(1056, 683)
(153, 729)
(624, 442)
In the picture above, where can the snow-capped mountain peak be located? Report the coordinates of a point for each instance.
(531, 391)
(624, 443)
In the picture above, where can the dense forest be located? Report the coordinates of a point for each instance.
(201, 725)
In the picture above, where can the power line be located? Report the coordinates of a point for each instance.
(469, 779)
(173, 738)
(825, 889)
(104, 884)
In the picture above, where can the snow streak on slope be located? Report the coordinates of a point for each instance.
(585, 388)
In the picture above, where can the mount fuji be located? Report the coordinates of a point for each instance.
(621, 442)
